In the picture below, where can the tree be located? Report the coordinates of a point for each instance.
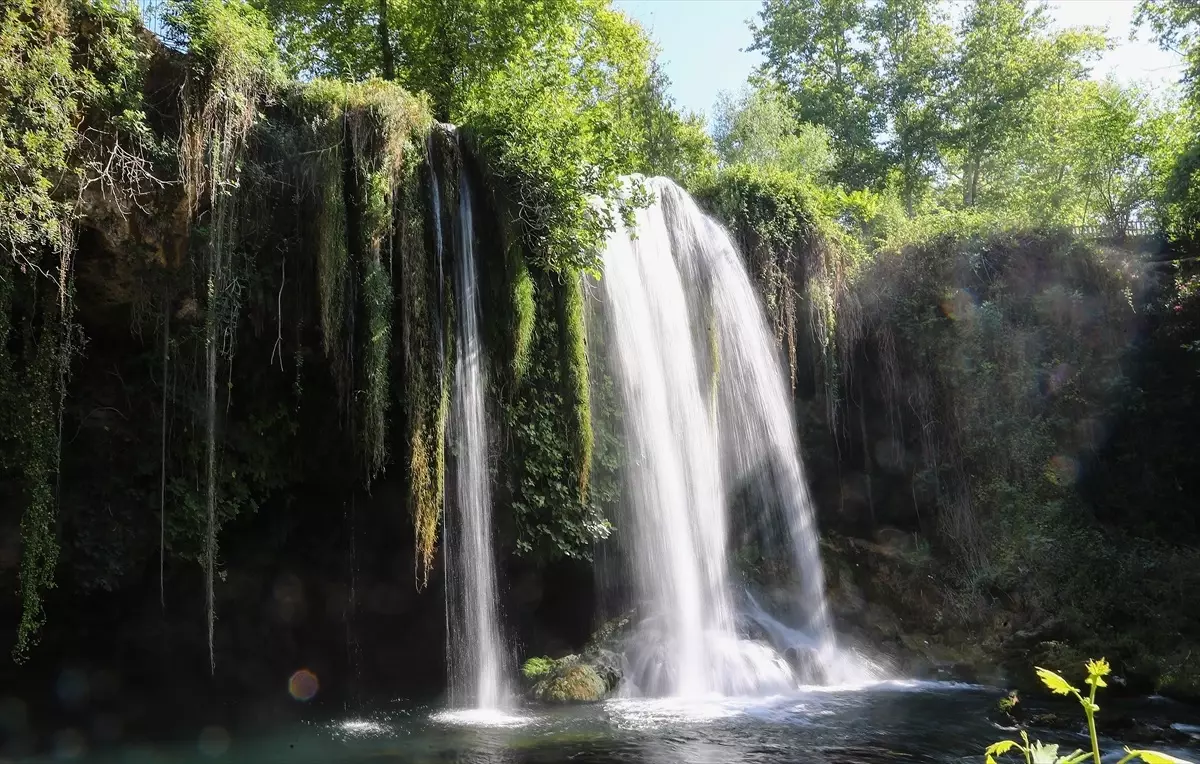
(674, 144)
(1006, 58)
(915, 44)
(819, 51)
(1175, 25)
(329, 38)
(1127, 145)
(757, 127)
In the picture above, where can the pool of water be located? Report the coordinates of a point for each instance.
(888, 722)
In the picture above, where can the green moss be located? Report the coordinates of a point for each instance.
(576, 684)
(523, 313)
(575, 356)
(553, 518)
(566, 680)
(377, 299)
(372, 134)
(425, 352)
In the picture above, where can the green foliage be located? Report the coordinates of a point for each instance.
(1006, 58)
(1175, 25)
(549, 154)
(758, 128)
(1038, 753)
(385, 126)
(668, 142)
(915, 43)
(32, 383)
(811, 48)
(1181, 198)
(70, 78)
(363, 147)
(536, 668)
(523, 312)
(321, 105)
(236, 65)
(231, 39)
(959, 321)
(575, 359)
(426, 341)
(60, 62)
(558, 507)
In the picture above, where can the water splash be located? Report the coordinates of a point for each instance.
(477, 665)
(679, 302)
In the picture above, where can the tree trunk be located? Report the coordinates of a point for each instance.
(971, 181)
(386, 60)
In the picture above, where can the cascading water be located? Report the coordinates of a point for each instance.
(666, 289)
(755, 411)
(477, 665)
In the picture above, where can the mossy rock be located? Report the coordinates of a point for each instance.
(573, 679)
(578, 683)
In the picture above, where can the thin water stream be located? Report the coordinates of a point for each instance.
(476, 652)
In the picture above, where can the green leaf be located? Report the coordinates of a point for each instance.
(1001, 747)
(1043, 754)
(1056, 683)
(1154, 757)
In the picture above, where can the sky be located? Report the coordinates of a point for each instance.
(704, 43)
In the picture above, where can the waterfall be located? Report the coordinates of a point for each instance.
(475, 648)
(757, 426)
(678, 300)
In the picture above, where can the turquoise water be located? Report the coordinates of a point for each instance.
(891, 722)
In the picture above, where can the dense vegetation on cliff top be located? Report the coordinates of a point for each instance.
(263, 184)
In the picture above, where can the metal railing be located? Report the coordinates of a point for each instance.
(151, 13)
(1106, 231)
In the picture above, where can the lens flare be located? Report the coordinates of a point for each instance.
(303, 685)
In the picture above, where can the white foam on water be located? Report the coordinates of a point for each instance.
(480, 717)
(363, 728)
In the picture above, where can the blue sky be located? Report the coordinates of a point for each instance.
(703, 43)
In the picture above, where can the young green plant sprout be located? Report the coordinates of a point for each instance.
(1038, 753)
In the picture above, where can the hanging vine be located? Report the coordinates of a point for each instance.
(65, 70)
(236, 68)
(427, 345)
(385, 125)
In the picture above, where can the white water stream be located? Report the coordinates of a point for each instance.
(476, 648)
(665, 289)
